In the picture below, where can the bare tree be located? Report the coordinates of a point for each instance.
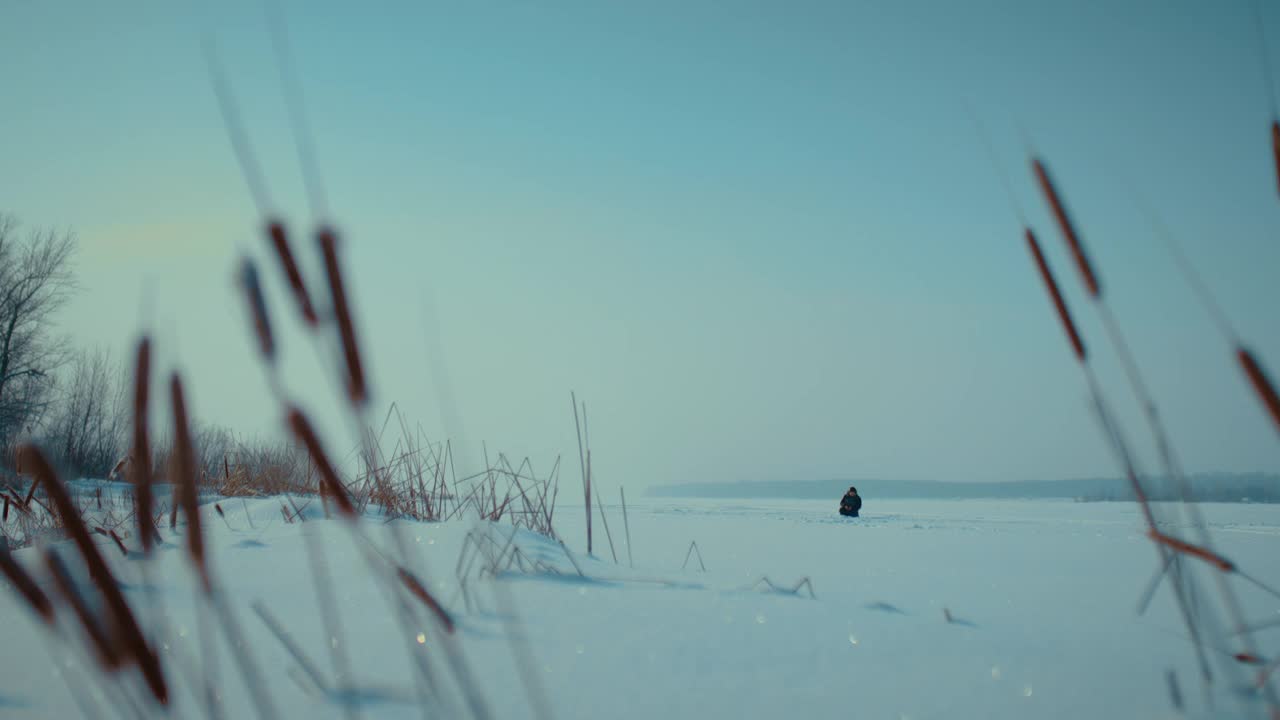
(88, 426)
(36, 279)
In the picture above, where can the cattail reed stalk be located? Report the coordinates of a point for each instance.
(184, 467)
(1275, 147)
(1270, 88)
(582, 459)
(312, 672)
(31, 491)
(23, 583)
(119, 542)
(1262, 385)
(1051, 284)
(1264, 675)
(140, 463)
(302, 430)
(603, 518)
(418, 590)
(626, 526)
(17, 502)
(112, 535)
(97, 635)
(331, 621)
(280, 243)
(1252, 368)
(1186, 548)
(357, 391)
(225, 521)
(1068, 229)
(252, 285)
(1175, 693)
(693, 549)
(123, 620)
(1167, 455)
(1112, 432)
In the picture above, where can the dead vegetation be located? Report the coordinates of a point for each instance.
(400, 473)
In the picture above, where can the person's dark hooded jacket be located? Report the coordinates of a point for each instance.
(851, 503)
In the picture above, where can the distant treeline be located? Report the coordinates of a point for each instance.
(1205, 487)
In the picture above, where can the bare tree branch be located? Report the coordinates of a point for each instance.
(36, 280)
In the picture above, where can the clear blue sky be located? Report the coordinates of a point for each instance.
(763, 241)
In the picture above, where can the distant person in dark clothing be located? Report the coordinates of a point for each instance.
(851, 503)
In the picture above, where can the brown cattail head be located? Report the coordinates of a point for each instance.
(1275, 146)
(252, 285)
(1261, 383)
(1186, 548)
(1051, 284)
(356, 388)
(418, 590)
(139, 464)
(280, 241)
(93, 627)
(1068, 229)
(328, 476)
(184, 480)
(129, 635)
(22, 582)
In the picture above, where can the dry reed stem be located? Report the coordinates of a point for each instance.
(1175, 692)
(1265, 673)
(66, 587)
(129, 634)
(31, 491)
(119, 542)
(114, 538)
(307, 436)
(582, 459)
(280, 242)
(1167, 456)
(184, 468)
(357, 390)
(418, 590)
(299, 656)
(1068, 229)
(693, 548)
(1261, 383)
(604, 520)
(23, 583)
(626, 526)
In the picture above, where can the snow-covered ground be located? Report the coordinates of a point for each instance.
(1041, 596)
